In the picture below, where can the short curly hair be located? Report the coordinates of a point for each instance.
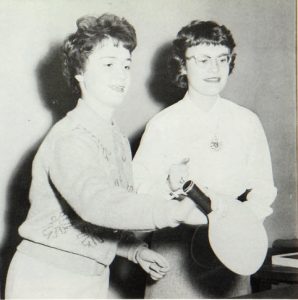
(90, 32)
(196, 33)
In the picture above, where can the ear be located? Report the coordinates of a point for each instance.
(79, 78)
(183, 70)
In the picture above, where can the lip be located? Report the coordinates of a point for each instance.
(212, 79)
(117, 88)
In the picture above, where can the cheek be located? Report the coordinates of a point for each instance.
(95, 79)
(193, 74)
(225, 75)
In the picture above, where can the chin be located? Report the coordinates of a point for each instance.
(213, 92)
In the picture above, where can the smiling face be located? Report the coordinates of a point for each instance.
(107, 73)
(207, 68)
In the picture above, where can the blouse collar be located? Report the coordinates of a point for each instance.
(213, 112)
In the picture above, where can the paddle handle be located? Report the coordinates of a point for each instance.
(196, 195)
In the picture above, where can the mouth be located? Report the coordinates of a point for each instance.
(212, 79)
(118, 88)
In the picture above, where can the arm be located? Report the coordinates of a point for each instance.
(260, 177)
(137, 251)
(154, 173)
(76, 169)
(150, 166)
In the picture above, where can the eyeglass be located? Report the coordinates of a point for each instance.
(205, 61)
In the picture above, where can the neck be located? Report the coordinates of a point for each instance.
(103, 110)
(204, 102)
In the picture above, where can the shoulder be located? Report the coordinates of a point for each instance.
(68, 134)
(168, 116)
(239, 112)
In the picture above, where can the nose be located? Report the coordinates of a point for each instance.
(214, 65)
(121, 73)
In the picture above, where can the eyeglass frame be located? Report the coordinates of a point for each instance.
(209, 60)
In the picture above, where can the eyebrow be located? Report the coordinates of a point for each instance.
(114, 57)
(223, 54)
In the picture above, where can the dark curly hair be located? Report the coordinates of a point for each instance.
(196, 33)
(92, 30)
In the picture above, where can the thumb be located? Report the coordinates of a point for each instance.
(184, 161)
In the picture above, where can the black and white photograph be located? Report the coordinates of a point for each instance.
(149, 149)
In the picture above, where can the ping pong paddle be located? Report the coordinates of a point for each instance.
(236, 236)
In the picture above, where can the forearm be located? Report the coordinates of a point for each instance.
(129, 245)
(114, 207)
(260, 198)
(260, 176)
(81, 176)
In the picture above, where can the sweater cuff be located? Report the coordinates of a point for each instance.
(164, 214)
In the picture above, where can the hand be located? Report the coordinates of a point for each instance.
(220, 203)
(178, 174)
(190, 214)
(152, 263)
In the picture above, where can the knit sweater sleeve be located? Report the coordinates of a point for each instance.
(77, 172)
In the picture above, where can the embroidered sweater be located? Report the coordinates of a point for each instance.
(227, 148)
(82, 197)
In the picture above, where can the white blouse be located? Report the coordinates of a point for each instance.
(227, 148)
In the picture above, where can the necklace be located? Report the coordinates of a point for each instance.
(215, 143)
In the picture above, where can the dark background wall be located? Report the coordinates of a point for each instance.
(33, 94)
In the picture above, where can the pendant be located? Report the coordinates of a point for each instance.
(215, 144)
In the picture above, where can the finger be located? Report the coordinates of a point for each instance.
(196, 217)
(161, 262)
(155, 275)
(155, 278)
(184, 161)
(156, 268)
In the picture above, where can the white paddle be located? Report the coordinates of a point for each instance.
(237, 237)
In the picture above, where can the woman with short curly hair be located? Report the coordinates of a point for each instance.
(198, 32)
(92, 30)
(83, 204)
(218, 144)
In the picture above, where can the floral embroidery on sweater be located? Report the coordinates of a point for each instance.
(88, 237)
(58, 225)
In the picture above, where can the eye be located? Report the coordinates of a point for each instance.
(202, 61)
(127, 67)
(108, 64)
(225, 59)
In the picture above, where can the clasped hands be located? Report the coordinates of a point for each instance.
(152, 262)
(178, 175)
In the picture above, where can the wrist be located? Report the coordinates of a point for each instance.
(164, 214)
(134, 256)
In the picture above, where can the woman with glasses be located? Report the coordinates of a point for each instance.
(218, 144)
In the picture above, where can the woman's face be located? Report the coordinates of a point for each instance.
(107, 73)
(207, 68)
